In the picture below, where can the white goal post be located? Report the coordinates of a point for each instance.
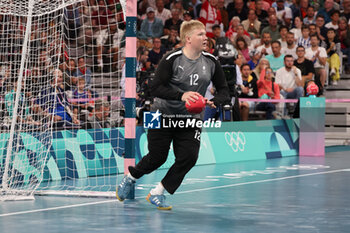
(60, 97)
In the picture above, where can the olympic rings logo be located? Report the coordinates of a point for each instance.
(235, 140)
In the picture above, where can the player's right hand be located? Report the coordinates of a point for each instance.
(190, 96)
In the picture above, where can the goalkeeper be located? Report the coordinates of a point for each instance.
(181, 76)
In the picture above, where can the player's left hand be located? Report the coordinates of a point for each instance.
(210, 103)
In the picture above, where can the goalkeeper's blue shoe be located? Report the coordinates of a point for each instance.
(159, 201)
(124, 188)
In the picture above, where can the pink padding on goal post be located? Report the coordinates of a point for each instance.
(130, 88)
(127, 163)
(130, 127)
(130, 46)
(131, 11)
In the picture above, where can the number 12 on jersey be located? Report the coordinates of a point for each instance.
(194, 79)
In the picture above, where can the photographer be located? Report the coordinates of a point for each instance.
(100, 118)
(249, 89)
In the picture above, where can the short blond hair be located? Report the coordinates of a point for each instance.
(187, 28)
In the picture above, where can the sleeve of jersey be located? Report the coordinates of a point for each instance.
(222, 96)
(159, 87)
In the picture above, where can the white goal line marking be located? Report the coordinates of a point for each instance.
(182, 192)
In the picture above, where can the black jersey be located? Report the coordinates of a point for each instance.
(177, 74)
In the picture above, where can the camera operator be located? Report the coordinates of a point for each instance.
(227, 56)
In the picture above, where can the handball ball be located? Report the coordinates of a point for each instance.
(312, 89)
(197, 106)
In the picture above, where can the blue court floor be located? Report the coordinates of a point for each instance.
(280, 195)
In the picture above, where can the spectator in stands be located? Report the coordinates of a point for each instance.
(320, 27)
(255, 57)
(173, 21)
(304, 40)
(210, 16)
(327, 10)
(283, 32)
(24, 106)
(346, 11)
(290, 47)
(216, 32)
(100, 117)
(100, 16)
(289, 79)
(72, 22)
(171, 40)
(312, 28)
(161, 12)
(87, 9)
(83, 71)
(265, 22)
(108, 43)
(265, 44)
(267, 89)
(71, 71)
(151, 26)
(242, 47)
(194, 8)
(178, 4)
(44, 62)
(156, 53)
(263, 63)
(276, 59)
(252, 24)
(318, 56)
(249, 89)
(187, 16)
(297, 28)
(240, 33)
(237, 8)
(235, 21)
(304, 65)
(260, 12)
(310, 16)
(88, 42)
(142, 7)
(81, 99)
(52, 103)
(303, 5)
(344, 37)
(224, 14)
(332, 46)
(283, 13)
(334, 20)
(209, 48)
(34, 79)
(273, 28)
(239, 62)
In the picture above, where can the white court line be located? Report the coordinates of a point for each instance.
(182, 192)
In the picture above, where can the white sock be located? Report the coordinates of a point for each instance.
(131, 177)
(158, 190)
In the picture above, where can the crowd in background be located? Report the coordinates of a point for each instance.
(66, 49)
(270, 50)
(290, 43)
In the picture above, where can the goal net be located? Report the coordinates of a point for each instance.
(61, 108)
